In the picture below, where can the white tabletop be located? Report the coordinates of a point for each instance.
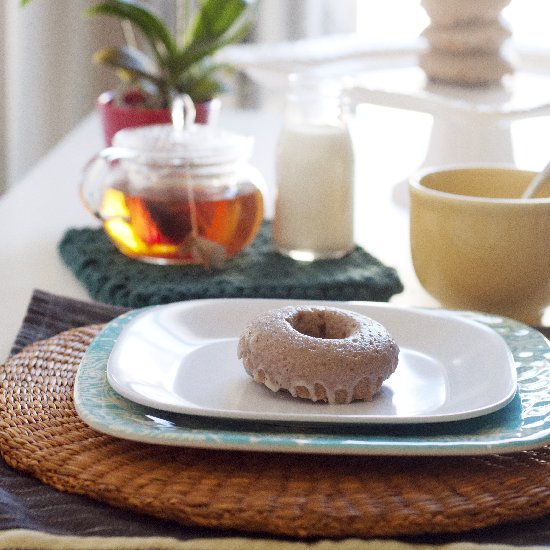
(390, 145)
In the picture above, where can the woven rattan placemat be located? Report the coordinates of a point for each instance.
(283, 494)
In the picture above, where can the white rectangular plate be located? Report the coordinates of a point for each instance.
(183, 358)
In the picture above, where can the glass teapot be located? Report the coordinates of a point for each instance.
(176, 193)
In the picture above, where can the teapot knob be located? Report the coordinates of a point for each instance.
(183, 112)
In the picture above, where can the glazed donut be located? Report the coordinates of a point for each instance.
(318, 353)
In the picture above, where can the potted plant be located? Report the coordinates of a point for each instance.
(178, 62)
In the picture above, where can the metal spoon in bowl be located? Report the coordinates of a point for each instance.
(536, 182)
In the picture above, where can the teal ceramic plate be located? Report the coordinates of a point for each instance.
(520, 423)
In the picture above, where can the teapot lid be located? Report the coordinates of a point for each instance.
(183, 140)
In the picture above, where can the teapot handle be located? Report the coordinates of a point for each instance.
(97, 174)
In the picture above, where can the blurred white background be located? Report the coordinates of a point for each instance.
(49, 82)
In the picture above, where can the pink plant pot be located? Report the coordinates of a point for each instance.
(116, 117)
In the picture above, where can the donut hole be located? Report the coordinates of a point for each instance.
(323, 324)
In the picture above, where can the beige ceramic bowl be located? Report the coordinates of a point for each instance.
(475, 245)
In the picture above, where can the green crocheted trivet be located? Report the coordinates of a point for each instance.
(257, 272)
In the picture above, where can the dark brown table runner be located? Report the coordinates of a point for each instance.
(27, 503)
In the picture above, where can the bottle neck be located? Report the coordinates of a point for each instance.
(316, 104)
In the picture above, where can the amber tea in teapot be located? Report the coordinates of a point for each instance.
(157, 225)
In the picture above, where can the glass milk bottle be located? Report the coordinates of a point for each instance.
(315, 174)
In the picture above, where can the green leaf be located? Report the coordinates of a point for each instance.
(216, 17)
(131, 60)
(212, 34)
(153, 29)
(202, 82)
(203, 89)
(197, 51)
